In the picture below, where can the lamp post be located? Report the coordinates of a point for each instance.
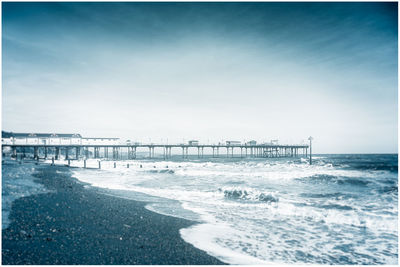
(310, 138)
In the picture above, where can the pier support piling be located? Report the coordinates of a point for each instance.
(310, 138)
(35, 153)
(57, 153)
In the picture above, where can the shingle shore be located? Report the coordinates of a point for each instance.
(77, 225)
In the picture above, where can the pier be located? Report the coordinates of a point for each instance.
(129, 152)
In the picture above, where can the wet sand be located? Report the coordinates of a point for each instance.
(77, 225)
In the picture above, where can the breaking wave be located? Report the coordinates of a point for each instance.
(323, 178)
(249, 194)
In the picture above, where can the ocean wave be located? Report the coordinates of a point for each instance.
(335, 206)
(161, 171)
(336, 195)
(368, 162)
(353, 181)
(388, 189)
(342, 180)
(249, 194)
(373, 167)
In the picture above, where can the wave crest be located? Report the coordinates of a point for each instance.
(249, 194)
(341, 180)
(161, 171)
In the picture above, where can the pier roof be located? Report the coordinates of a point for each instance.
(109, 138)
(48, 135)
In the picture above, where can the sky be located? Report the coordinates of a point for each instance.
(173, 72)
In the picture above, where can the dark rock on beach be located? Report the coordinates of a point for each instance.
(77, 225)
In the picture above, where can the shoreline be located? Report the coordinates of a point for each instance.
(76, 225)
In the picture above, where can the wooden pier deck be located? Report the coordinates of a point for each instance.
(115, 152)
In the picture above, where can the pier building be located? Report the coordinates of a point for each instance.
(233, 143)
(40, 138)
(100, 141)
(54, 139)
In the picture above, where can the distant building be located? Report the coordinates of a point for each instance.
(251, 143)
(100, 141)
(193, 143)
(68, 139)
(11, 138)
(6, 138)
(132, 143)
(40, 138)
(233, 143)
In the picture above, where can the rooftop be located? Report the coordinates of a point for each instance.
(48, 135)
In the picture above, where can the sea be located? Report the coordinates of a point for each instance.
(342, 209)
